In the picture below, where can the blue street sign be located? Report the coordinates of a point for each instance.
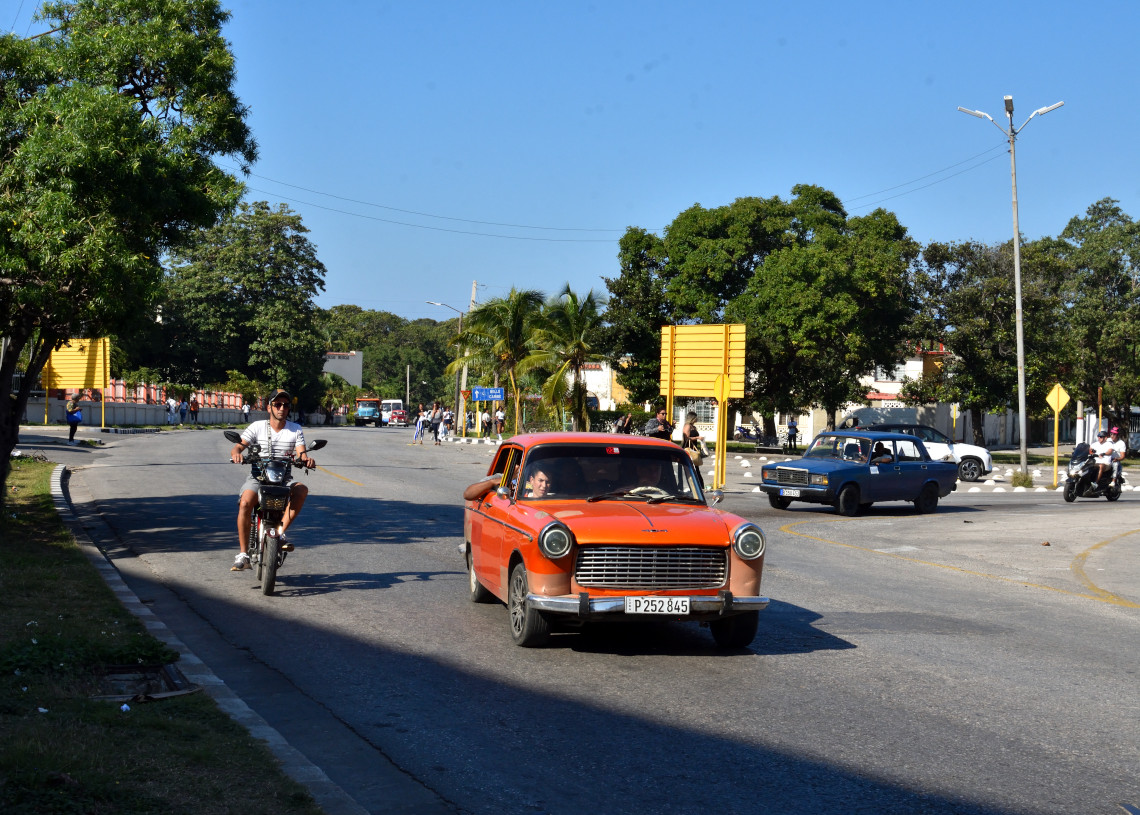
(487, 394)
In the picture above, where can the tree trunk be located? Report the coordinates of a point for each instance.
(977, 427)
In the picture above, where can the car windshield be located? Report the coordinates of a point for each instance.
(841, 448)
(608, 472)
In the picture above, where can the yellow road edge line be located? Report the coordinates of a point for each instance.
(1099, 594)
(341, 477)
(1078, 569)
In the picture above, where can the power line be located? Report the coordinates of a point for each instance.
(428, 214)
(582, 229)
(928, 175)
(436, 228)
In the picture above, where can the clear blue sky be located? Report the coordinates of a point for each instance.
(417, 140)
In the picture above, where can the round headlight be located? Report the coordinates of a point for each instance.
(275, 472)
(555, 540)
(748, 542)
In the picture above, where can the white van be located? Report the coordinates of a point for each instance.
(387, 406)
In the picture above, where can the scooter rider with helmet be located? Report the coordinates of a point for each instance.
(1103, 450)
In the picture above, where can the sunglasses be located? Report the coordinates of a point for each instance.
(280, 404)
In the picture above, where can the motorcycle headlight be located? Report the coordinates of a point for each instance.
(748, 541)
(276, 472)
(555, 540)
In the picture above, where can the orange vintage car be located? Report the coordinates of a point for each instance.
(583, 527)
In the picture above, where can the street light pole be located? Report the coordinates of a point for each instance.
(457, 417)
(1011, 134)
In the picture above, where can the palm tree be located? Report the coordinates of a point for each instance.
(499, 335)
(565, 341)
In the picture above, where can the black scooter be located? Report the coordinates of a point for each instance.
(1082, 481)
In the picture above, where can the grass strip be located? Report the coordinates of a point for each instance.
(62, 751)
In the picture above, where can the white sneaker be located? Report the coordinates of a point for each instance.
(241, 562)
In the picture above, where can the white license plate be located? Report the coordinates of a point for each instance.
(786, 493)
(657, 605)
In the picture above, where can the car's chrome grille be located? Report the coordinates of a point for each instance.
(651, 567)
(788, 475)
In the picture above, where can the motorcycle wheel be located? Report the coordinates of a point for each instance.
(256, 544)
(1113, 492)
(268, 565)
(1070, 492)
(736, 436)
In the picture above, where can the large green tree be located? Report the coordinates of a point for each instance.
(1102, 251)
(499, 337)
(241, 297)
(565, 342)
(968, 303)
(825, 297)
(827, 310)
(108, 123)
(399, 354)
(631, 334)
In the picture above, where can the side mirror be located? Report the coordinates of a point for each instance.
(232, 435)
(714, 497)
(316, 444)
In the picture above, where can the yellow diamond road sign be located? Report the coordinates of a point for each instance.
(1057, 398)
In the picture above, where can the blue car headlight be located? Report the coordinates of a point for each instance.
(555, 540)
(748, 541)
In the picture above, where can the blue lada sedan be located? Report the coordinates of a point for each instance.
(851, 470)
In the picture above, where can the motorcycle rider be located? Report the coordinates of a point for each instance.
(276, 436)
(1119, 450)
(1104, 451)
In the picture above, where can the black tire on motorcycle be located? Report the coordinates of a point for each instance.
(255, 543)
(1070, 492)
(1113, 492)
(268, 567)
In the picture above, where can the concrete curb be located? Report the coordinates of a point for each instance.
(329, 796)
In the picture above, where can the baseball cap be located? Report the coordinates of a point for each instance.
(1101, 433)
(279, 392)
(1115, 430)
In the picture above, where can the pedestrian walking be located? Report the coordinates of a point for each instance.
(436, 419)
(421, 420)
(74, 417)
(245, 411)
(182, 408)
(193, 410)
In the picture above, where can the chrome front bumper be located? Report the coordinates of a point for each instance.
(583, 605)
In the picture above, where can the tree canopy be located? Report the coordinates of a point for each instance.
(108, 124)
(825, 297)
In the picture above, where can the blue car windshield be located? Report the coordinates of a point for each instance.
(839, 448)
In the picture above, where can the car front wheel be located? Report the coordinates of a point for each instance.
(848, 502)
(776, 502)
(528, 627)
(969, 469)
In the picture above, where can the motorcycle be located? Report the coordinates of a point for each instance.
(272, 476)
(752, 433)
(1082, 481)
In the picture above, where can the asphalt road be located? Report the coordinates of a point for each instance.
(946, 663)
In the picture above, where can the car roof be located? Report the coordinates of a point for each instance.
(579, 437)
(873, 435)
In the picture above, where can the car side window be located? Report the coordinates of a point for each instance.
(907, 451)
(507, 461)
